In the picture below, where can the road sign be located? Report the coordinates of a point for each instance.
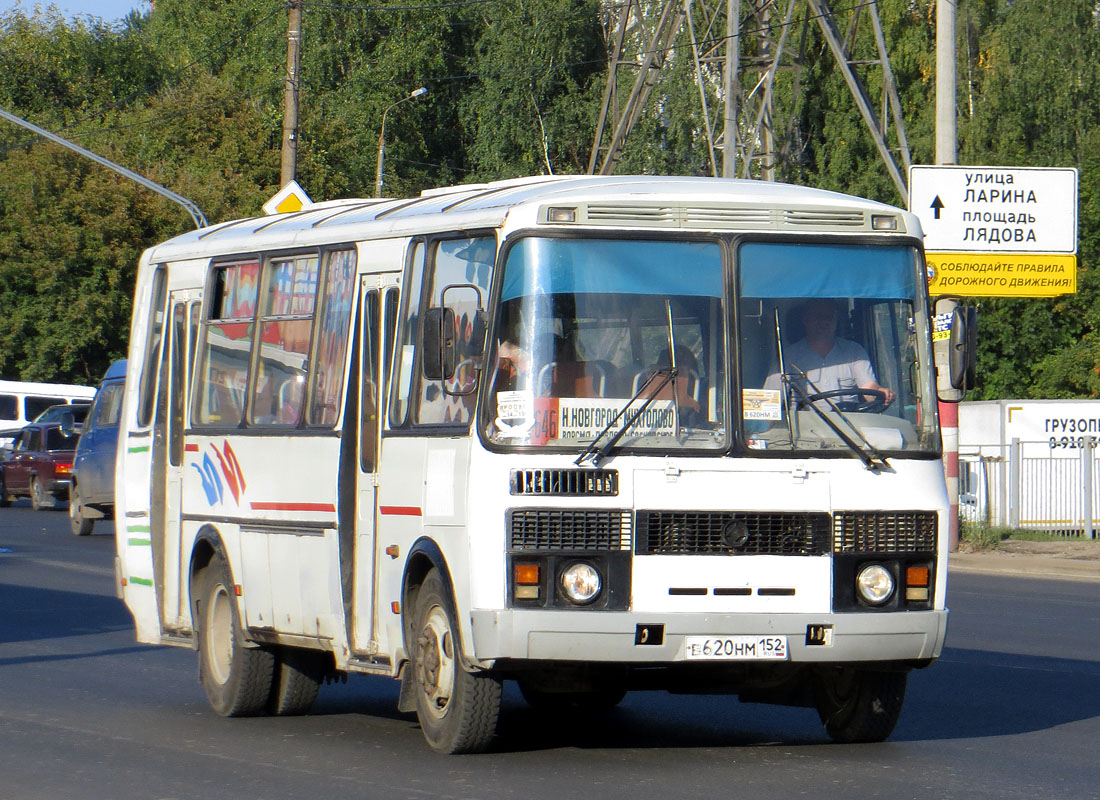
(290, 198)
(1000, 275)
(995, 209)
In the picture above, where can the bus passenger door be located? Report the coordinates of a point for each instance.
(377, 321)
(168, 448)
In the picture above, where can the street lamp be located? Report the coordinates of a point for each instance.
(382, 137)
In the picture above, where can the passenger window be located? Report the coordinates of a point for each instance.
(332, 337)
(36, 405)
(223, 376)
(286, 328)
(460, 273)
(410, 330)
(150, 370)
(108, 406)
(9, 406)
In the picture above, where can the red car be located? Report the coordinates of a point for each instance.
(40, 466)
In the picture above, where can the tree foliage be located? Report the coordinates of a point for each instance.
(191, 95)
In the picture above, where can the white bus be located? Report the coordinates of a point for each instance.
(548, 430)
(22, 401)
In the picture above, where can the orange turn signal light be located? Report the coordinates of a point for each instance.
(917, 576)
(526, 574)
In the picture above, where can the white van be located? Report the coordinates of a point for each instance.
(22, 401)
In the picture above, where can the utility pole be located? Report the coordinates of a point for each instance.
(946, 153)
(289, 170)
(731, 87)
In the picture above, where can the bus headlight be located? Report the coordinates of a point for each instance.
(875, 584)
(580, 582)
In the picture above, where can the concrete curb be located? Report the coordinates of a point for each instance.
(1025, 566)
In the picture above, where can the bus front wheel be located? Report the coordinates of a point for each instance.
(457, 709)
(237, 679)
(859, 705)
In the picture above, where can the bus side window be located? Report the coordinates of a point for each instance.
(460, 273)
(410, 325)
(332, 337)
(150, 368)
(227, 342)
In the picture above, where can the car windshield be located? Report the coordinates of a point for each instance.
(583, 324)
(835, 347)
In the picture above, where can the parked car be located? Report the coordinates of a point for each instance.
(92, 495)
(40, 466)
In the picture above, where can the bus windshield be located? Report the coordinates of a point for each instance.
(835, 348)
(585, 325)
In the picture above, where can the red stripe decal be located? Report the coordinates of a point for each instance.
(191, 448)
(294, 507)
(399, 511)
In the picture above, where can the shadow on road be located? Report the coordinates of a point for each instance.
(30, 614)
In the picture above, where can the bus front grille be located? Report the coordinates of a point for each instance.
(564, 482)
(736, 533)
(884, 532)
(568, 529)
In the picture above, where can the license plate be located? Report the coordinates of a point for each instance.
(735, 648)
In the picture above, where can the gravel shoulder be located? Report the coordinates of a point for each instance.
(1069, 560)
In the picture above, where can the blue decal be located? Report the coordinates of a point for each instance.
(211, 483)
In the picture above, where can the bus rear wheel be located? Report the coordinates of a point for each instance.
(860, 705)
(457, 709)
(237, 679)
(296, 681)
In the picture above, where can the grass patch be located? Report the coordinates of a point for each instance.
(975, 536)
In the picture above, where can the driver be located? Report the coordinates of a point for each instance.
(831, 363)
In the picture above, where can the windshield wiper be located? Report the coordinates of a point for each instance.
(867, 456)
(598, 454)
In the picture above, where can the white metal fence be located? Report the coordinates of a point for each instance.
(1039, 485)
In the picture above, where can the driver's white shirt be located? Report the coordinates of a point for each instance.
(846, 366)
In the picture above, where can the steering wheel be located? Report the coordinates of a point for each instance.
(876, 405)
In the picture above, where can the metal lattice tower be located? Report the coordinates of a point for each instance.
(750, 130)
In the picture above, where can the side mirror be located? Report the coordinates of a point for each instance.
(956, 354)
(964, 348)
(67, 423)
(439, 344)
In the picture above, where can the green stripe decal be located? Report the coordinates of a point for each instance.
(141, 449)
(141, 581)
(138, 529)
(140, 542)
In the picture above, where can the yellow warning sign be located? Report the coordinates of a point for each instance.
(1001, 274)
(291, 197)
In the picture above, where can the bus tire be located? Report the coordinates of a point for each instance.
(296, 680)
(457, 709)
(859, 705)
(237, 679)
(80, 524)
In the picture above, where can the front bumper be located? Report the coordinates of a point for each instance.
(586, 636)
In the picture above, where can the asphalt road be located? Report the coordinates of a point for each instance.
(1012, 710)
